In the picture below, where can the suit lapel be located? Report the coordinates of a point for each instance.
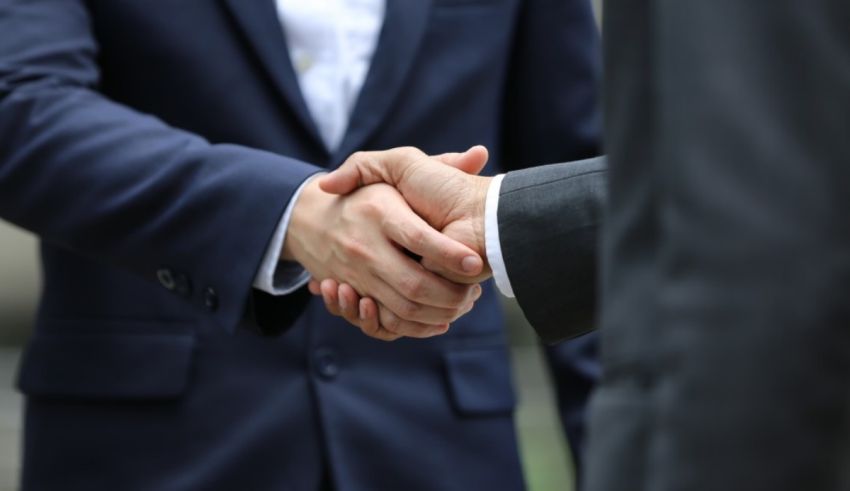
(259, 23)
(402, 32)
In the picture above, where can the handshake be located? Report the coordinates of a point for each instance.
(394, 240)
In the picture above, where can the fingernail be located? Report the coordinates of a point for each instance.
(343, 304)
(471, 264)
(362, 312)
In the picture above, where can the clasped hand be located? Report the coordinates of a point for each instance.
(394, 240)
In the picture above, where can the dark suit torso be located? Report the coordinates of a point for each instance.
(152, 236)
(724, 259)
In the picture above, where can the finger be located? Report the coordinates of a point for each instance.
(412, 232)
(363, 168)
(471, 161)
(369, 310)
(408, 310)
(382, 334)
(329, 290)
(362, 313)
(314, 287)
(349, 303)
(370, 324)
(393, 323)
(439, 270)
(412, 282)
(471, 304)
(396, 325)
(468, 309)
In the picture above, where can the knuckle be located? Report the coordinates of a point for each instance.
(371, 209)
(391, 323)
(455, 302)
(409, 310)
(409, 154)
(444, 255)
(357, 157)
(416, 238)
(413, 287)
(354, 248)
(462, 294)
(455, 314)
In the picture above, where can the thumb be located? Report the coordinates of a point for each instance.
(358, 170)
(471, 161)
(343, 180)
(364, 168)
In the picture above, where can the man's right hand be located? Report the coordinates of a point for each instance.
(359, 239)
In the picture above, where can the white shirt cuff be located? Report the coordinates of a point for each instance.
(491, 238)
(282, 277)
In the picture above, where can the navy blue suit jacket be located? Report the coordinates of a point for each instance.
(153, 147)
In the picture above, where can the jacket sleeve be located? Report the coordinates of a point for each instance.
(549, 218)
(100, 179)
(552, 114)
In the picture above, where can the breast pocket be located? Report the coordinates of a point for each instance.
(116, 360)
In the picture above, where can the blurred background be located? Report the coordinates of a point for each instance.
(544, 452)
(19, 284)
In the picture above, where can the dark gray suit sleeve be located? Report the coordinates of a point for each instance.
(105, 181)
(548, 223)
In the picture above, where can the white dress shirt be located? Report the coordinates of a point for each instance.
(331, 43)
(492, 243)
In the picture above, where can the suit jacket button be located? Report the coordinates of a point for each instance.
(326, 363)
(210, 299)
(166, 278)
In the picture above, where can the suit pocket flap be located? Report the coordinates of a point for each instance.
(480, 381)
(107, 365)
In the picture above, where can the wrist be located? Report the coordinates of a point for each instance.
(480, 187)
(303, 222)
